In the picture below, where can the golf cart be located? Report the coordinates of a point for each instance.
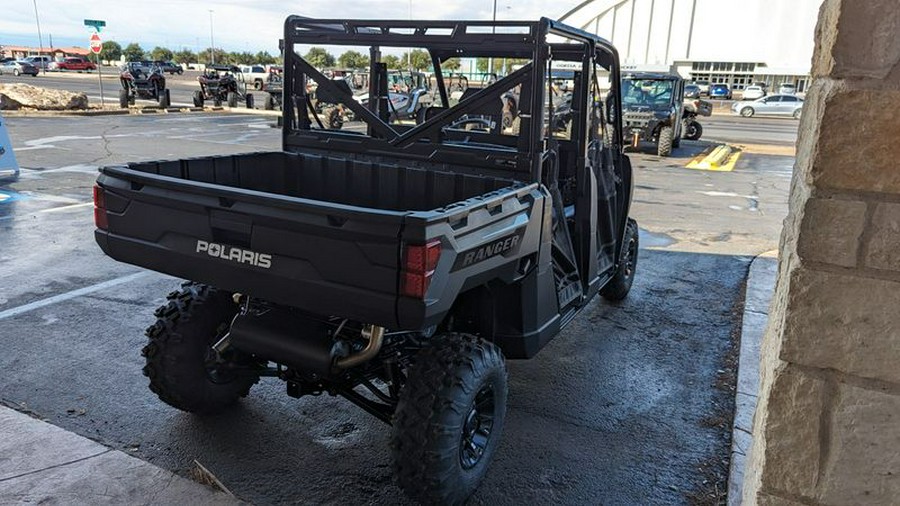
(652, 110)
(222, 83)
(142, 81)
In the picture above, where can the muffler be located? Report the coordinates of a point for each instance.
(303, 343)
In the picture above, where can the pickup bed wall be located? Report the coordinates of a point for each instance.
(373, 184)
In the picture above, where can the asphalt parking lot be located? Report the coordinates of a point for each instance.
(629, 405)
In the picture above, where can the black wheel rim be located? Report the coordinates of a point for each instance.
(477, 428)
(629, 257)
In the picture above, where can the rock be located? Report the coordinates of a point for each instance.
(24, 96)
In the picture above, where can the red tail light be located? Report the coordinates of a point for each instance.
(419, 262)
(100, 208)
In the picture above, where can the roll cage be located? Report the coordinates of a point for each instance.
(524, 155)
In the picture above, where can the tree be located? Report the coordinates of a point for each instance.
(244, 58)
(134, 52)
(264, 58)
(161, 54)
(320, 58)
(353, 60)
(111, 50)
(184, 56)
(392, 61)
(418, 59)
(220, 56)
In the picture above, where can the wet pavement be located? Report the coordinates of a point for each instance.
(623, 407)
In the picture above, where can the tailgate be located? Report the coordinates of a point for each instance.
(326, 258)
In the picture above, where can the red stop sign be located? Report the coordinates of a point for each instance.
(96, 44)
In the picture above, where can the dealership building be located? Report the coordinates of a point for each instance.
(735, 42)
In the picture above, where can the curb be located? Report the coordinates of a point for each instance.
(43, 463)
(760, 289)
(722, 158)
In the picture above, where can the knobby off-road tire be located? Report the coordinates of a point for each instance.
(165, 98)
(231, 99)
(449, 419)
(248, 101)
(269, 103)
(197, 97)
(123, 99)
(192, 320)
(619, 286)
(664, 143)
(333, 119)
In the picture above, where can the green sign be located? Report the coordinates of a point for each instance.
(96, 23)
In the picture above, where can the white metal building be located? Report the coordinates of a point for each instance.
(735, 42)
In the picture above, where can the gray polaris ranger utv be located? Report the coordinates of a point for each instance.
(391, 263)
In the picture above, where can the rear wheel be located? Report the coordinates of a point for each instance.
(179, 358)
(16, 72)
(665, 141)
(257, 85)
(165, 99)
(449, 419)
(693, 130)
(269, 103)
(248, 101)
(618, 287)
(198, 98)
(797, 114)
(123, 99)
(231, 99)
(747, 112)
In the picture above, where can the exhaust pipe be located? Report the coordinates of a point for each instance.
(376, 338)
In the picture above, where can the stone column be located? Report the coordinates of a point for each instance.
(827, 428)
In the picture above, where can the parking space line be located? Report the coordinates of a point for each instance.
(65, 208)
(71, 295)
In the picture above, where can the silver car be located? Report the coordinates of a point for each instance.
(18, 68)
(773, 105)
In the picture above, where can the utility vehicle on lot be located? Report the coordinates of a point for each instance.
(222, 83)
(652, 105)
(141, 81)
(396, 265)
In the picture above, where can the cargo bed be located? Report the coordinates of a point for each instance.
(322, 233)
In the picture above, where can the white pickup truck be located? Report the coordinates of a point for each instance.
(255, 75)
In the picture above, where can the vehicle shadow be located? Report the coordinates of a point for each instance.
(621, 408)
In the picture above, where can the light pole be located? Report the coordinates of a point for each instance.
(40, 38)
(212, 42)
(409, 49)
(493, 30)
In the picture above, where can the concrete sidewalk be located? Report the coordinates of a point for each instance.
(43, 464)
(760, 288)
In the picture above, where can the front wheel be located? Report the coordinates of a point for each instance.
(248, 101)
(449, 419)
(618, 287)
(747, 112)
(269, 103)
(123, 99)
(231, 99)
(797, 114)
(333, 119)
(198, 98)
(16, 72)
(180, 361)
(665, 142)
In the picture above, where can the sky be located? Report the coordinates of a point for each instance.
(779, 32)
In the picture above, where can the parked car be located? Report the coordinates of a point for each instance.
(8, 58)
(18, 68)
(787, 89)
(41, 62)
(704, 87)
(255, 75)
(773, 105)
(691, 91)
(753, 93)
(73, 63)
(720, 91)
(169, 67)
